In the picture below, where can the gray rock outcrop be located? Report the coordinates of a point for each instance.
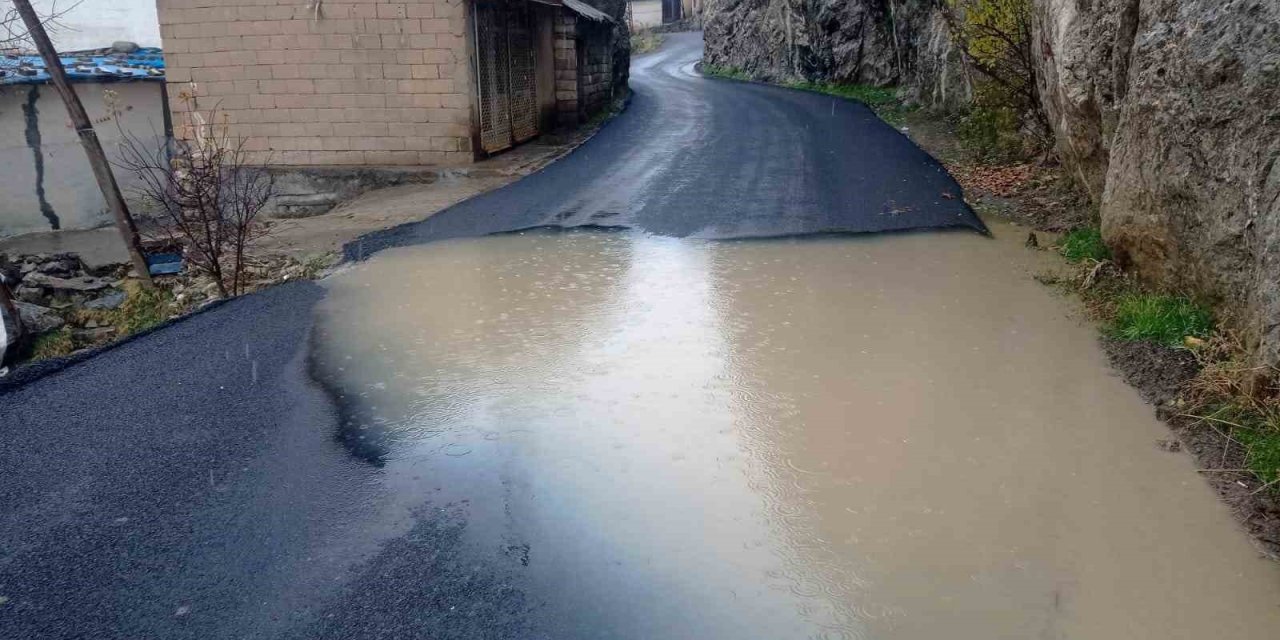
(1192, 188)
(877, 42)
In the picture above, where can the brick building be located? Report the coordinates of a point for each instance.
(374, 83)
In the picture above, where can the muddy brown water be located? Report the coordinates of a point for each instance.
(887, 437)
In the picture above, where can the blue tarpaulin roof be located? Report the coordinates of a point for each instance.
(103, 65)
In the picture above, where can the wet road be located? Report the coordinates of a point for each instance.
(711, 158)
(587, 435)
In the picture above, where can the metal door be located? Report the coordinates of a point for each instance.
(505, 73)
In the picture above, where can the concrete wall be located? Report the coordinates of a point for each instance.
(364, 82)
(94, 24)
(46, 180)
(646, 13)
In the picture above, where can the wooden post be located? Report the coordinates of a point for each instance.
(88, 138)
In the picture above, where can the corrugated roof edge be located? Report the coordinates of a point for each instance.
(587, 11)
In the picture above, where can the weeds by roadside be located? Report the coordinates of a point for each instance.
(1164, 319)
(645, 40)
(725, 72)
(1241, 423)
(883, 101)
(1084, 243)
(54, 344)
(142, 309)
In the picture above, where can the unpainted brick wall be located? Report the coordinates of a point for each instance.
(361, 82)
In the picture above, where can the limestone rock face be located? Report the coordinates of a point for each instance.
(878, 42)
(1082, 76)
(1192, 188)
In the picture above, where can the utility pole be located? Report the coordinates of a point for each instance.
(88, 138)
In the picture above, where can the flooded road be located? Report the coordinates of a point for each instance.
(882, 437)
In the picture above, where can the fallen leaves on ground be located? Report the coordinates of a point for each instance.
(1004, 181)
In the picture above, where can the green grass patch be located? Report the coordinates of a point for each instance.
(644, 41)
(1258, 431)
(1263, 452)
(883, 100)
(869, 95)
(53, 344)
(142, 308)
(1083, 244)
(1159, 318)
(725, 72)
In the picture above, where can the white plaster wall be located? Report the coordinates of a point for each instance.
(646, 13)
(70, 191)
(93, 24)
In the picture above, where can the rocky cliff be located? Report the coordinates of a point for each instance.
(1167, 113)
(879, 42)
(1192, 188)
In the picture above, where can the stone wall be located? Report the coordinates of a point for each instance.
(1166, 112)
(595, 72)
(354, 83)
(591, 62)
(566, 59)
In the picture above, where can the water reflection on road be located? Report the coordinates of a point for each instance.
(884, 437)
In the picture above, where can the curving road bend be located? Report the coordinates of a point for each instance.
(714, 158)
(188, 484)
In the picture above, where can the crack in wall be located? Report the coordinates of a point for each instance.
(31, 113)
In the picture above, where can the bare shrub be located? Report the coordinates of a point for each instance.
(203, 190)
(995, 36)
(13, 32)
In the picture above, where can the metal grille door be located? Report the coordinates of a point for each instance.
(524, 99)
(491, 63)
(505, 74)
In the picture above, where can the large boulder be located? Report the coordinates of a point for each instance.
(1192, 188)
(1082, 76)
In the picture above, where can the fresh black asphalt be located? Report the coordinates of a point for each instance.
(713, 158)
(189, 483)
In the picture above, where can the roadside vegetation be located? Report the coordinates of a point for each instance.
(882, 100)
(725, 72)
(1084, 243)
(644, 40)
(54, 344)
(1232, 424)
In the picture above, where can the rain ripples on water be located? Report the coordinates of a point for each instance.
(871, 437)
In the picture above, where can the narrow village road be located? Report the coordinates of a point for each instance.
(712, 158)
(200, 483)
